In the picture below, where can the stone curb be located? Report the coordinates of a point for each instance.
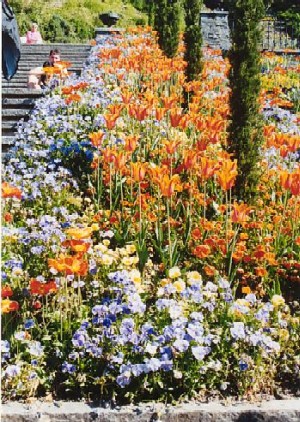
(268, 411)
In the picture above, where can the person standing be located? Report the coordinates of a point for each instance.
(11, 45)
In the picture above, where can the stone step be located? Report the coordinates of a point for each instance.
(54, 45)
(8, 127)
(17, 102)
(108, 31)
(26, 67)
(77, 58)
(22, 92)
(14, 113)
(8, 140)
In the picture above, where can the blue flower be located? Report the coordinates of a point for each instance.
(12, 371)
(29, 323)
(68, 367)
(79, 338)
(123, 380)
(243, 365)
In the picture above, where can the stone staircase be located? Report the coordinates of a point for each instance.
(17, 99)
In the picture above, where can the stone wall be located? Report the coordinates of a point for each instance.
(215, 29)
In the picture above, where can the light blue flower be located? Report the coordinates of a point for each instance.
(199, 352)
(238, 330)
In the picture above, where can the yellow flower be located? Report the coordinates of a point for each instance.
(284, 334)
(123, 251)
(277, 300)
(95, 227)
(174, 272)
(127, 261)
(135, 276)
(17, 271)
(102, 248)
(5, 306)
(164, 282)
(77, 201)
(131, 249)
(193, 277)
(179, 285)
(106, 242)
(107, 260)
(242, 302)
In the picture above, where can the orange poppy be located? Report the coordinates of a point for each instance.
(38, 288)
(77, 245)
(9, 191)
(201, 251)
(75, 265)
(8, 306)
(6, 291)
(79, 233)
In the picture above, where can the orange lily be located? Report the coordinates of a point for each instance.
(110, 120)
(208, 167)
(227, 174)
(175, 116)
(240, 213)
(171, 146)
(159, 113)
(131, 143)
(96, 138)
(168, 185)
(138, 171)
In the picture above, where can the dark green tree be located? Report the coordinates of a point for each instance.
(245, 129)
(167, 25)
(193, 39)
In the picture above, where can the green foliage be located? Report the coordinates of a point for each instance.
(193, 39)
(245, 131)
(72, 20)
(167, 24)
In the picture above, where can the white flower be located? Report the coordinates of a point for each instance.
(174, 272)
(150, 349)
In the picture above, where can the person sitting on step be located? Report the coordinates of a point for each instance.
(39, 77)
(33, 36)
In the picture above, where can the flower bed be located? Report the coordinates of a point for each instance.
(129, 270)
